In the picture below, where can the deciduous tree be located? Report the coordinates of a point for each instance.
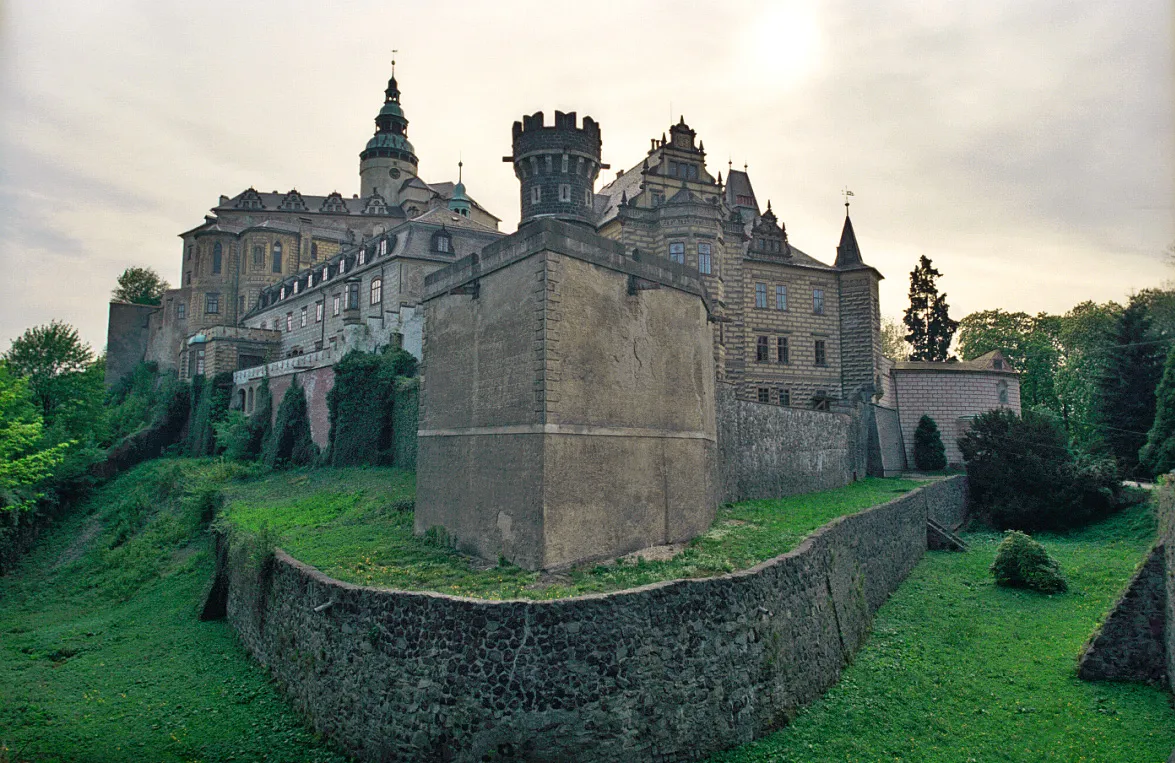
(52, 358)
(142, 286)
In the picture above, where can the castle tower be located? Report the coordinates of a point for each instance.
(557, 166)
(389, 160)
(460, 202)
(860, 317)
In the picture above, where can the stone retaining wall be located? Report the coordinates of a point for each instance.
(668, 672)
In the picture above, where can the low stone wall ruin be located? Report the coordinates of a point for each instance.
(669, 672)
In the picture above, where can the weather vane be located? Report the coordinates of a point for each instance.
(846, 193)
(394, 52)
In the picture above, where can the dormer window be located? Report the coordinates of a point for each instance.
(442, 242)
(362, 255)
(282, 295)
(296, 285)
(343, 265)
(383, 247)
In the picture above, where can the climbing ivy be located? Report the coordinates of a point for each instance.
(289, 442)
(361, 406)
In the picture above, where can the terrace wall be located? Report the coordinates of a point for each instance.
(668, 672)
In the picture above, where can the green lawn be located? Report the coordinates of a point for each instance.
(102, 657)
(356, 525)
(958, 670)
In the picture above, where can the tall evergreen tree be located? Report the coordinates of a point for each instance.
(1126, 387)
(1158, 455)
(927, 318)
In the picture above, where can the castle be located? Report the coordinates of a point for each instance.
(627, 288)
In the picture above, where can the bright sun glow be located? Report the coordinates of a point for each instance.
(784, 45)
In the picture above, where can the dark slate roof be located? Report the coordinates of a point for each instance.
(272, 202)
(848, 254)
(607, 199)
(739, 184)
(453, 221)
(985, 363)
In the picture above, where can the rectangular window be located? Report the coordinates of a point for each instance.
(818, 301)
(362, 255)
(376, 291)
(536, 194)
(289, 321)
(335, 310)
(564, 192)
(303, 317)
(211, 303)
(199, 362)
(693, 172)
(764, 395)
(566, 160)
(318, 312)
(761, 295)
(761, 350)
(181, 311)
(783, 353)
(587, 197)
(784, 397)
(677, 252)
(353, 295)
(673, 169)
(704, 265)
(821, 355)
(549, 163)
(780, 297)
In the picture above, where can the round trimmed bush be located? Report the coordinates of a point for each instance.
(1021, 562)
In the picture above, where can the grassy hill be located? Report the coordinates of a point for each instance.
(102, 657)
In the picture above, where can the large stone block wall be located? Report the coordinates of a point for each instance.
(127, 333)
(768, 451)
(668, 672)
(1129, 644)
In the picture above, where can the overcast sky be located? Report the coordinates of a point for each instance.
(1028, 148)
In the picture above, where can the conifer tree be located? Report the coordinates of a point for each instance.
(1126, 388)
(1158, 455)
(289, 442)
(927, 318)
(929, 452)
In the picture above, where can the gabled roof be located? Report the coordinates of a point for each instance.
(991, 362)
(452, 220)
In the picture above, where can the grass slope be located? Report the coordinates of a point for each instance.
(101, 655)
(959, 670)
(356, 525)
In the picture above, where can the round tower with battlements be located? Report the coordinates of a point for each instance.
(557, 167)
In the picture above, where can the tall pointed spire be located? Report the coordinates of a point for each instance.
(848, 254)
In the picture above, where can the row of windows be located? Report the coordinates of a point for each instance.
(375, 297)
(781, 298)
(783, 350)
(532, 168)
(683, 170)
(705, 255)
(536, 194)
(783, 397)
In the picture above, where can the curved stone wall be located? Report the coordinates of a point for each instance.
(668, 672)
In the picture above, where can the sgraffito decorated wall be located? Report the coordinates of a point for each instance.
(668, 672)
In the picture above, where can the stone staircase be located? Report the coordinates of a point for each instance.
(939, 538)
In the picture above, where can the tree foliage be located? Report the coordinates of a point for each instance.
(1022, 475)
(210, 404)
(1158, 454)
(289, 442)
(893, 340)
(141, 286)
(929, 452)
(1126, 387)
(927, 318)
(51, 357)
(1028, 342)
(25, 459)
(361, 406)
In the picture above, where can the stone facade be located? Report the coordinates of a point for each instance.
(952, 393)
(668, 672)
(1129, 645)
(567, 401)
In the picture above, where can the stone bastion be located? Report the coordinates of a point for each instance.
(672, 671)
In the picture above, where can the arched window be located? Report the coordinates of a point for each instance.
(217, 257)
(258, 256)
(376, 290)
(277, 257)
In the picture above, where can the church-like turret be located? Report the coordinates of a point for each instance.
(389, 160)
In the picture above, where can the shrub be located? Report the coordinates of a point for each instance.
(234, 434)
(361, 406)
(289, 442)
(1022, 475)
(929, 452)
(1021, 562)
(1158, 454)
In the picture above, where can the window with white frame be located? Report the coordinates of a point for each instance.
(704, 264)
(303, 318)
(761, 295)
(362, 255)
(289, 321)
(181, 311)
(335, 305)
(677, 252)
(376, 290)
(212, 303)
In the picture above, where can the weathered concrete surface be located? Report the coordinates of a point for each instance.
(889, 459)
(127, 335)
(768, 451)
(668, 672)
(1129, 646)
(564, 415)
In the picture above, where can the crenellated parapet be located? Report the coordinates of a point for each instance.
(557, 166)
